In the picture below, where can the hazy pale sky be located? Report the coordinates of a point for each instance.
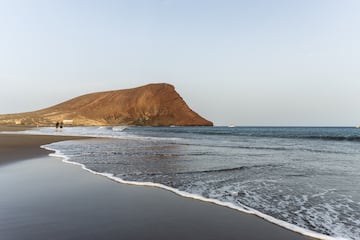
(234, 62)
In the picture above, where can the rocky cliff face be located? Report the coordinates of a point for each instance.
(150, 105)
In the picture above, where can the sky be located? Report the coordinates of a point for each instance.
(247, 63)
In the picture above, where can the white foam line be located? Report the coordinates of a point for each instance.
(127, 137)
(268, 218)
(30, 132)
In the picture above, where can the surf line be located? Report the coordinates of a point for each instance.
(244, 209)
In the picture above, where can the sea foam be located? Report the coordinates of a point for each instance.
(263, 156)
(243, 209)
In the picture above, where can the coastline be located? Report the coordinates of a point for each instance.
(112, 209)
(18, 147)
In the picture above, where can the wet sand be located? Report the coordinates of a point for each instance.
(44, 198)
(16, 147)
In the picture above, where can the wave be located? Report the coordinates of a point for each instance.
(259, 148)
(119, 129)
(96, 132)
(189, 133)
(231, 146)
(315, 133)
(352, 138)
(335, 138)
(239, 207)
(241, 168)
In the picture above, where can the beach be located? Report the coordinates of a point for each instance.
(16, 147)
(45, 198)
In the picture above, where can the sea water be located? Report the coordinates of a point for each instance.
(305, 179)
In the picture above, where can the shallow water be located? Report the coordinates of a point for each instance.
(307, 177)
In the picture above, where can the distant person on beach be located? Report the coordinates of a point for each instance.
(57, 126)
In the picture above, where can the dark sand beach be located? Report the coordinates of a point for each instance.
(14, 147)
(44, 198)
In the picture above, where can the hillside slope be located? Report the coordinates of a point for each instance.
(150, 105)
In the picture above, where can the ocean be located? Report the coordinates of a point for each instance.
(306, 179)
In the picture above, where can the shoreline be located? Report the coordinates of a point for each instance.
(19, 147)
(245, 210)
(241, 224)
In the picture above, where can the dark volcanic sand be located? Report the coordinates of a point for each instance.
(44, 198)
